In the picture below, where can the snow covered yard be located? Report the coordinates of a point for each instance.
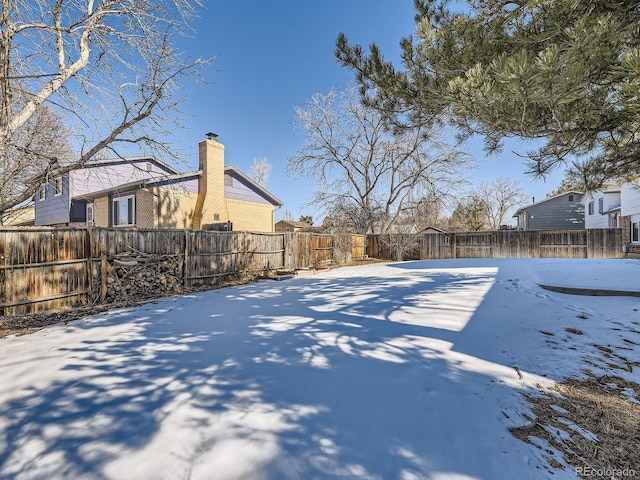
(411, 370)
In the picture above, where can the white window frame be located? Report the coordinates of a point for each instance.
(591, 207)
(115, 218)
(635, 229)
(57, 186)
(601, 205)
(91, 214)
(42, 193)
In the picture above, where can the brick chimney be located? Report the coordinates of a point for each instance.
(211, 182)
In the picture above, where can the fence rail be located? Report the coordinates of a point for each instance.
(44, 269)
(593, 243)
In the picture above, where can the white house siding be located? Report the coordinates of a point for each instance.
(597, 219)
(630, 200)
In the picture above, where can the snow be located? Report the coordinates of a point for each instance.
(385, 371)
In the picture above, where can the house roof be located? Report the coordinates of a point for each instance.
(19, 216)
(168, 179)
(142, 183)
(263, 191)
(439, 230)
(294, 223)
(612, 210)
(119, 160)
(172, 176)
(526, 207)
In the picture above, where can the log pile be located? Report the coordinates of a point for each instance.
(136, 276)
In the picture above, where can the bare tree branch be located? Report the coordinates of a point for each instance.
(110, 67)
(364, 171)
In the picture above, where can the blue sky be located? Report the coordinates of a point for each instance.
(273, 56)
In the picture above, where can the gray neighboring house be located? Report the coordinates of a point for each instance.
(562, 212)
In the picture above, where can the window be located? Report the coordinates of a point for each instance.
(57, 185)
(591, 208)
(228, 180)
(124, 211)
(600, 205)
(90, 215)
(571, 198)
(635, 229)
(42, 193)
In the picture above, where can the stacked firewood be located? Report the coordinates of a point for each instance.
(135, 276)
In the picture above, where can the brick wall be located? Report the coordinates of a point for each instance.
(101, 212)
(145, 209)
(250, 216)
(633, 251)
(177, 208)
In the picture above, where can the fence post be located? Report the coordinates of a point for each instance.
(103, 275)
(454, 246)
(288, 251)
(185, 266)
(90, 264)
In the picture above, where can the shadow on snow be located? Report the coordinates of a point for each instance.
(349, 377)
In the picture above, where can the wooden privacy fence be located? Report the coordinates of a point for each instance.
(44, 269)
(593, 243)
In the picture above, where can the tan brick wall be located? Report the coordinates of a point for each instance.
(250, 216)
(177, 208)
(101, 211)
(145, 209)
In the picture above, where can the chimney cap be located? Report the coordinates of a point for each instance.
(211, 135)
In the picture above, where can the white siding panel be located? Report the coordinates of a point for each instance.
(630, 200)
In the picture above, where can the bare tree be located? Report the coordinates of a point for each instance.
(356, 160)
(110, 67)
(500, 198)
(260, 171)
(427, 212)
(287, 215)
(345, 216)
(24, 158)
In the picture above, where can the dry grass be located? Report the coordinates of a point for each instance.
(575, 331)
(594, 422)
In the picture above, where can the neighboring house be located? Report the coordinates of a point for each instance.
(433, 230)
(146, 193)
(291, 226)
(602, 207)
(403, 228)
(19, 217)
(561, 212)
(630, 213)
